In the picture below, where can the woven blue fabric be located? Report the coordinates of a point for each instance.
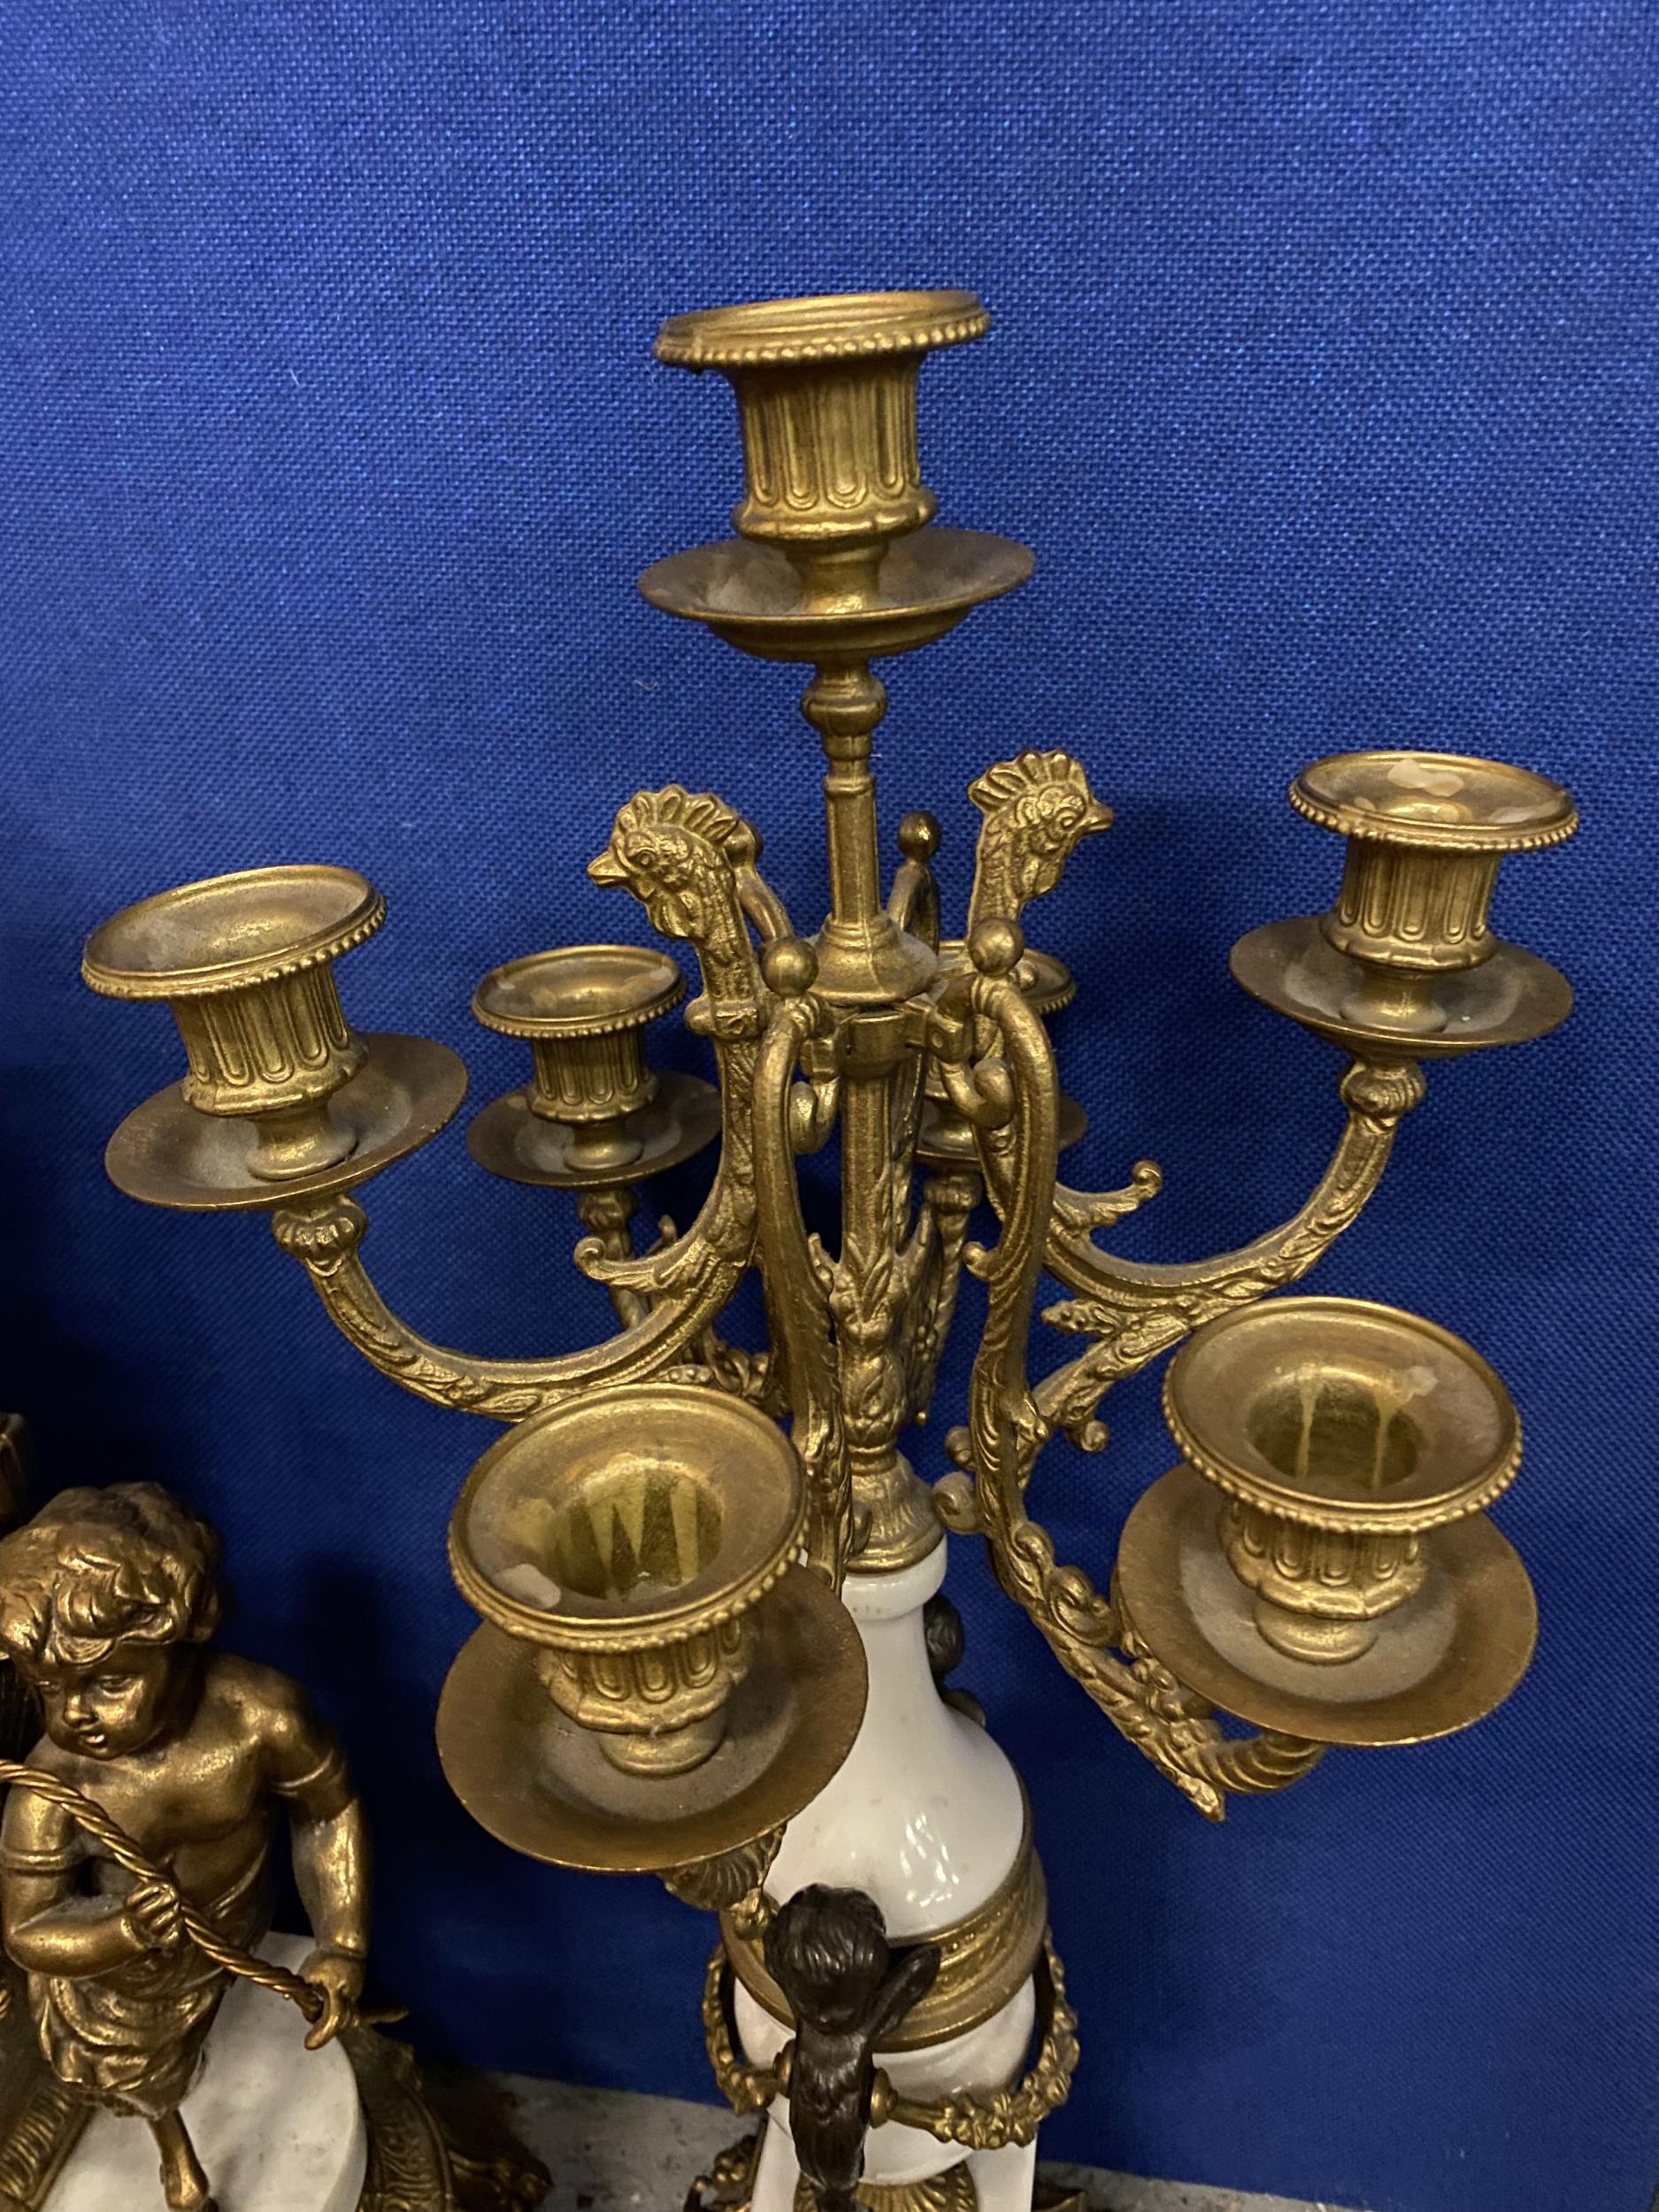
(1324, 383)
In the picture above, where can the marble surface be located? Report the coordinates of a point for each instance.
(278, 2128)
(609, 2151)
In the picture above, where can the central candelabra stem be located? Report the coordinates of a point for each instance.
(865, 959)
(843, 702)
(867, 1302)
(868, 967)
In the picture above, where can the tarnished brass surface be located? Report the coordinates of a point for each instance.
(1405, 952)
(135, 1842)
(170, 1153)
(1292, 966)
(912, 1048)
(1349, 1588)
(541, 1785)
(1434, 1666)
(983, 1959)
(593, 1114)
(1342, 1432)
(629, 1537)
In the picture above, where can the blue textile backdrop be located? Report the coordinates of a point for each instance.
(1324, 385)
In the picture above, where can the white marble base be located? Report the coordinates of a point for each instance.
(277, 2127)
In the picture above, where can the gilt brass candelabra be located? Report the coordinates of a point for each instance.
(712, 1645)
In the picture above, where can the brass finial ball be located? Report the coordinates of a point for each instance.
(790, 966)
(996, 948)
(918, 836)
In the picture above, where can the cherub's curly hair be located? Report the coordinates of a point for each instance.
(96, 1568)
(827, 1949)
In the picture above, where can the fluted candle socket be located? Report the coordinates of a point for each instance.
(595, 1112)
(244, 962)
(1425, 833)
(1339, 1434)
(827, 393)
(629, 1536)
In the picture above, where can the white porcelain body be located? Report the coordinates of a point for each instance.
(926, 1815)
(278, 2128)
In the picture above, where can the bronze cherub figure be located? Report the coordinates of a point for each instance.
(827, 1951)
(107, 1601)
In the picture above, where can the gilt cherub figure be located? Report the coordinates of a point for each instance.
(108, 1600)
(827, 1951)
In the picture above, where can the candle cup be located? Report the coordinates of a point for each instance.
(833, 558)
(279, 1098)
(1344, 1584)
(1425, 833)
(826, 396)
(1406, 955)
(658, 1680)
(244, 963)
(594, 1113)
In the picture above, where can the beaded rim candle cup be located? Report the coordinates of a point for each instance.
(833, 556)
(595, 1112)
(826, 393)
(1406, 955)
(1425, 833)
(630, 1535)
(1346, 1586)
(1341, 1432)
(280, 1097)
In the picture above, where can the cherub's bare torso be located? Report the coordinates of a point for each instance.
(202, 1798)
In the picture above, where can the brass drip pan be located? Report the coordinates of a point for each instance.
(1510, 998)
(543, 1786)
(1438, 1665)
(168, 1153)
(753, 595)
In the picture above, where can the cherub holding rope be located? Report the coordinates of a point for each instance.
(107, 1601)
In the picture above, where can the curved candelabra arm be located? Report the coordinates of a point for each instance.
(607, 1215)
(1138, 1310)
(1008, 1426)
(1036, 807)
(680, 853)
(324, 1234)
(792, 1271)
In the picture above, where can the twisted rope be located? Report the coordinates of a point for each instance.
(200, 1930)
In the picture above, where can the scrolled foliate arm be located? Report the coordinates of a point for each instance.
(1140, 1309)
(681, 854)
(324, 1235)
(1008, 1426)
